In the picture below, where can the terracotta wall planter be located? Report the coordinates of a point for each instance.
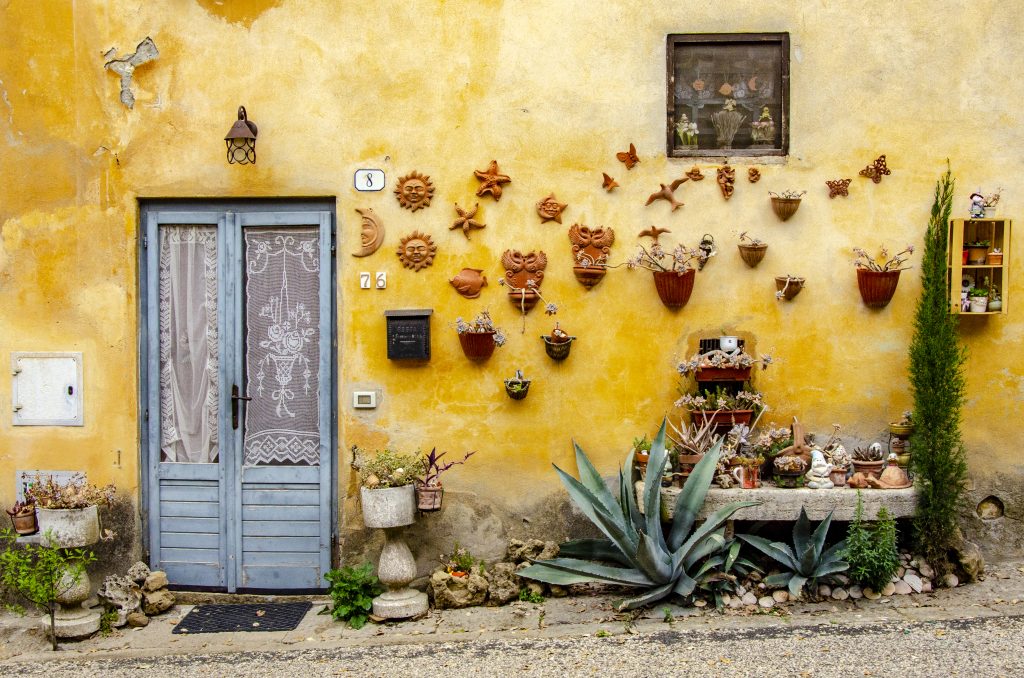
(722, 417)
(674, 288)
(557, 350)
(784, 208)
(723, 374)
(429, 498)
(752, 254)
(24, 524)
(477, 345)
(588, 276)
(877, 287)
(792, 289)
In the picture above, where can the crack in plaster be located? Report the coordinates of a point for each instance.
(125, 66)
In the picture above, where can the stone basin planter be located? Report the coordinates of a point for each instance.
(70, 528)
(390, 509)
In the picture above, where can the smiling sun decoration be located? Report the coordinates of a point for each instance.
(417, 250)
(414, 191)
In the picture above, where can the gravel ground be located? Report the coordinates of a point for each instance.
(988, 646)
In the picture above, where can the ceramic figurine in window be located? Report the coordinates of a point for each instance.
(762, 131)
(977, 206)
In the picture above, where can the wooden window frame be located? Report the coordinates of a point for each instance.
(675, 40)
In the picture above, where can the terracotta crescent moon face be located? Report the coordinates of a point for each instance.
(371, 232)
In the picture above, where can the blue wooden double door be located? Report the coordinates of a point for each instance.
(238, 377)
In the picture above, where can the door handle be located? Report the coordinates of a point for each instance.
(235, 397)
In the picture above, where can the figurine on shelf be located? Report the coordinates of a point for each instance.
(977, 206)
(818, 477)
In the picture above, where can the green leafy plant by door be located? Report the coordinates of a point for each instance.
(352, 591)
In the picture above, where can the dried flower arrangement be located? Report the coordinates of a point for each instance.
(679, 260)
(883, 262)
(481, 324)
(76, 493)
(787, 194)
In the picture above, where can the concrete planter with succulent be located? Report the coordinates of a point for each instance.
(877, 277)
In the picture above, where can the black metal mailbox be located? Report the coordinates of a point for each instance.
(409, 334)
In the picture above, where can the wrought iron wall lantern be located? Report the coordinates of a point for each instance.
(241, 140)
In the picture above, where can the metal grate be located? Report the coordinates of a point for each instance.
(233, 618)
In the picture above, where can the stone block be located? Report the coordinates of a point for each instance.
(155, 602)
(456, 592)
(156, 580)
(502, 584)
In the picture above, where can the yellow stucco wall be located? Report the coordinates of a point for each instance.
(551, 90)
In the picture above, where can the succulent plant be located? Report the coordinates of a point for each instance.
(807, 561)
(872, 453)
(637, 553)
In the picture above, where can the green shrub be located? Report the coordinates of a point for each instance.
(352, 591)
(528, 596)
(871, 551)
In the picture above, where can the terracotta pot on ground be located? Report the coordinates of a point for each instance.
(877, 287)
(674, 288)
(752, 254)
(871, 468)
(477, 345)
(784, 208)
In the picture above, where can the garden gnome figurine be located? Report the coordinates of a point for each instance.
(977, 206)
(817, 477)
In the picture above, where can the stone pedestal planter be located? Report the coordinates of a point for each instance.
(72, 528)
(391, 509)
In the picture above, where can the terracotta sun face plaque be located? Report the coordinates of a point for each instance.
(468, 282)
(417, 250)
(491, 180)
(414, 191)
(371, 232)
(550, 209)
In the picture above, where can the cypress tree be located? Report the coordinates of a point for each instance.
(938, 381)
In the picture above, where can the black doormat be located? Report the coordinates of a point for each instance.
(257, 617)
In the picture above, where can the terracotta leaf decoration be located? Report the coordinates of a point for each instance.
(629, 158)
(371, 232)
(609, 183)
(468, 282)
(695, 174)
(726, 181)
(491, 180)
(550, 209)
(414, 191)
(466, 221)
(838, 187)
(653, 233)
(417, 250)
(876, 170)
(667, 192)
(753, 175)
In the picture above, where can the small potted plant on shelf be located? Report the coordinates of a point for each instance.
(995, 301)
(788, 286)
(877, 277)
(979, 299)
(746, 469)
(904, 427)
(869, 460)
(68, 513)
(752, 249)
(721, 407)
(641, 453)
(995, 257)
(518, 386)
(673, 270)
(429, 491)
(789, 471)
(479, 337)
(786, 203)
(977, 251)
(558, 343)
(762, 130)
(23, 516)
(690, 443)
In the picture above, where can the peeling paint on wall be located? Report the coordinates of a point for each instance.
(125, 66)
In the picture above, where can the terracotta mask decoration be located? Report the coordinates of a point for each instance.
(667, 192)
(753, 175)
(590, 248)
(695, 174)
(414, 191)
(468, 282)
(491, 180)
(523, 275)
(550, 209)
(876, 170)
(466, 221)
(726, 181)
(371, 232)
(628, 158)
(653, 233)
(838, 187)
(417, 251)
(609, 183)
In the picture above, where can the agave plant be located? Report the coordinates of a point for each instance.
(806, 561)
(637, 553)
(720, 574)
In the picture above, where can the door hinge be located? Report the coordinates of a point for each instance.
(146, 415)
(334, 244)
(145, 241)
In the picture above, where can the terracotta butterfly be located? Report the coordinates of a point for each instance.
(876, 170)
(609, 183)
(628, 157)
(838, 187)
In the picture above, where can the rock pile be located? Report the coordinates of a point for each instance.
(137, 595)
(495, 584)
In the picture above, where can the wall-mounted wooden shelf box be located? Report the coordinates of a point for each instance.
(959, 273)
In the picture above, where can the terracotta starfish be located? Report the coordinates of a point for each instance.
(653, 233)
(666, 193)
(491, 180)
(609, 183)
(550, 209)
(465, 220)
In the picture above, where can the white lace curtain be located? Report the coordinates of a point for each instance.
(188, 344)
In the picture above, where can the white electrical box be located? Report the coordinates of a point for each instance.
(364, 400)
(46, 389)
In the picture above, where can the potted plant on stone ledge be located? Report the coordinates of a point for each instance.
(429, 491)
